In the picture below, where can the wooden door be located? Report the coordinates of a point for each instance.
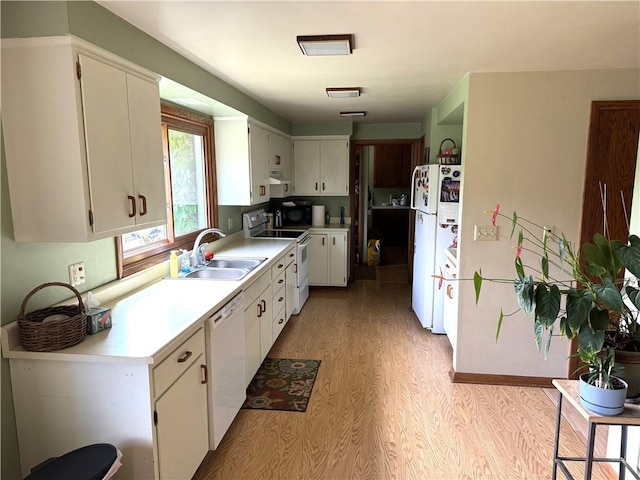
(612, 152)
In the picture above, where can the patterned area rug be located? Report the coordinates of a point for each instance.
(282, 384)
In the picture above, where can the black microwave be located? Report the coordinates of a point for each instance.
(298, 215)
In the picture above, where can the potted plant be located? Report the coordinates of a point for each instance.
(580, 293)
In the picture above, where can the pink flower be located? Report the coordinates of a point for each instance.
(518, 250)
(494, 216)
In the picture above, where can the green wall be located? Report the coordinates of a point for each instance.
(386, 131)
(342, 127)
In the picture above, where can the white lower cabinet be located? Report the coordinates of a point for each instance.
(329, 259)
(258, 301)
(154, 414)
(183, 436)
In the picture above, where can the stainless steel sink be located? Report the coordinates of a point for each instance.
(219, 273)
(235, 262)
(226, 268)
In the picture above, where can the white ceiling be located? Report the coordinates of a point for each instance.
(408, 55)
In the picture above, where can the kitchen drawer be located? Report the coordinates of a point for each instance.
(278, 268)
(170, 369)
(254, 290)
(279, 321)
(290, 256)
(278, 298)
(278, 281)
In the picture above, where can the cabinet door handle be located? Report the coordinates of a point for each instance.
(295, 268)
(292, 254)
(286, 187)
(316, 186)
(323, 241)
(280, 281)
(334, 240)
(264, 306)
(280, 299)
(280, 265)
(185, 356)
(205, 375)
(259, 310)
(132, 199)
(323, 186)
(144, 205)
(450, 291)
(281, 321)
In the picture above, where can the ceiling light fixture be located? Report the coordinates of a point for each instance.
(344, 92)
(353, 114)
(317, 45)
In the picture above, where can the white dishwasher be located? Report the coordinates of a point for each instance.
(226, 362)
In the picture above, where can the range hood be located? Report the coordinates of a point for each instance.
(276, 177)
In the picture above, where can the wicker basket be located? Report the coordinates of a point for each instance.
(36, 335)
(448, 156)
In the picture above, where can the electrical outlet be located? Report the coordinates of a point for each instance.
(76, 274)
(485, 232)
(230, 223)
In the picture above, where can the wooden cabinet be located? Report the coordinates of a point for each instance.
(321, 167)
(242, 162)
(392, 224)
(154, 413)
(328, 258)
(392, 166)
(82, 139)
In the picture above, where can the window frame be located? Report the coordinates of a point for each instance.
(195, 123)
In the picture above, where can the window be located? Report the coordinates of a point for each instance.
(190, 185)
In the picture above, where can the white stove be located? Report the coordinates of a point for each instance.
(255, 224)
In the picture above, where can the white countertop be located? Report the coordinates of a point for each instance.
(145, 322)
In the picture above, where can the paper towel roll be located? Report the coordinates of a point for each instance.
(317, 215)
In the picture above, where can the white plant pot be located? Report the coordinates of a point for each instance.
(603, 401)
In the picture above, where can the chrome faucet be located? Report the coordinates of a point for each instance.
(197, 258)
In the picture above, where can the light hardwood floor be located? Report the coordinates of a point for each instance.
(383, 405)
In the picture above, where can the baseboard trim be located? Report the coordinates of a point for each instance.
(512, 380)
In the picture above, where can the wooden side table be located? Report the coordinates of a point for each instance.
(569, 389)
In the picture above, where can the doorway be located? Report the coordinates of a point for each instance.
(382, 177)
(612, 153)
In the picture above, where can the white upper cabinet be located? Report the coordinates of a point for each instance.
(280, 165)
(242, 162)
(82, 139)
(321, 167)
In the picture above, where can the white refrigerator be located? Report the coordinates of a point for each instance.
(435, 197)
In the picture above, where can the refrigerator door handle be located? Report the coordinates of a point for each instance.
(413, 187)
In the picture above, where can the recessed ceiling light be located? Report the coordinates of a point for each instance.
(344, 92)
(353, 114)
(317, 45)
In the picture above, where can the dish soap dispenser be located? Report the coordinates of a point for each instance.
(173, 264)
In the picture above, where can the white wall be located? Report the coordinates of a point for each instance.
(525, 147)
